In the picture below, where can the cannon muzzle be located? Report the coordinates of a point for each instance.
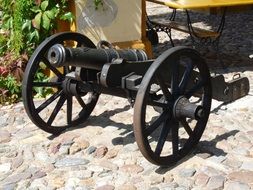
(90, 58)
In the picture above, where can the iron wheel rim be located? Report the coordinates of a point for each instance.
(140, 108)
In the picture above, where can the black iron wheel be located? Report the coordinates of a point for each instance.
(172, 106)
(45, 100)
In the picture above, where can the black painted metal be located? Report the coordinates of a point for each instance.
(200, 42)
(91, 58)
(176, 85)
(174, 74)
(153, 28)
(231, 90)
(43, 112)
(184, 108)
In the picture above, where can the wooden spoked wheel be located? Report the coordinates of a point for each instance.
(54, 112)
(172, 106)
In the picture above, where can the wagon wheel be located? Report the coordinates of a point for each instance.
(55, 112)
(172, 106)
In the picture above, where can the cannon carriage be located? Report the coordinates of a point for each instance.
(171, 95)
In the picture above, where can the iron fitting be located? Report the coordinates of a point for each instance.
(57, 55)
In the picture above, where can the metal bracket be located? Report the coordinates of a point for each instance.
(229, 91)
(130, 83)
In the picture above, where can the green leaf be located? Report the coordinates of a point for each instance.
(67, 16)
(5, 17)
(44, 5)
(7, 22)
(34, 35)
(56, 11)
(30, 36)
(37, 20)
(37, 35)
(35, 9)
(45, 22)
(42, 66)
(50, 14)
(27, 25)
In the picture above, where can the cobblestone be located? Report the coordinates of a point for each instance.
(216, 182)
(234, 185)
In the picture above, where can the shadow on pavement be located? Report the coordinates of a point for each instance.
(207, 148)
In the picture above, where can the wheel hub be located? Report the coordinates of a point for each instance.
(184, 108)
(70, 86)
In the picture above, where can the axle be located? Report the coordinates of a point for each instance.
(184, 108)
(91, 58)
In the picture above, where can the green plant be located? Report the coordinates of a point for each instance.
(97, 3)
(40, 76)
(6, 6)
(28, 22)
(46, 15)
(6, 24)
(10, 89)
(23, 25)
(3, 44)
(11, 73)
(44, 21)
(19, 15)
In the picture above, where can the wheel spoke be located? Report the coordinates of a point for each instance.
(56, 109)
(186, 127)
(162, 138)
(48, 101)
(158, 104)
(164, 88)
(163, 117)
(55, 71)
(165, 138)
(47, 84)
(80, 101)
(175, 138)
(69, 109)
(175, 80)
(66, 70)
(194, 89)
(185, 78)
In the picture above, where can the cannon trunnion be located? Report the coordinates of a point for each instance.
(171, 95)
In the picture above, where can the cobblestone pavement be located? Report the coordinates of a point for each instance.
(103, 153)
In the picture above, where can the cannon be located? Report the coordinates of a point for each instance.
(171, 95)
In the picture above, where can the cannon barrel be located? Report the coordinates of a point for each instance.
(90, 58)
